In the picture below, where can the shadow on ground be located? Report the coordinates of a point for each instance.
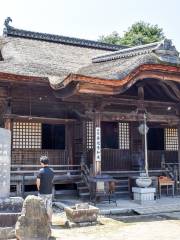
(133, 217)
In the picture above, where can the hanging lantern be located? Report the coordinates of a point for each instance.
(143, 128)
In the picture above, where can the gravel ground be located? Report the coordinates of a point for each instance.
(115, 228)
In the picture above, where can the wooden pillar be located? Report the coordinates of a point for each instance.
(7, 123)
(97, 144)
(141, 92)
(69, 143)
(179, 150)
(84, 141)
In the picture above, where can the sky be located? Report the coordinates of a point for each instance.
(90, 19)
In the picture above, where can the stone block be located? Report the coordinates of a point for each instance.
(33, 222)
(143, 195)
(82, 215)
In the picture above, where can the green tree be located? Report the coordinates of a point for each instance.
(139, 33)
(113, 38)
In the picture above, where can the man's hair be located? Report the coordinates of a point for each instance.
(44, 159)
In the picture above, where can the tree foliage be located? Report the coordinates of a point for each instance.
(139, 33)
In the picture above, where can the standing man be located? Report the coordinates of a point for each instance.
(44, 184)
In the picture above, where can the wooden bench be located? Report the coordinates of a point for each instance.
(166, 181)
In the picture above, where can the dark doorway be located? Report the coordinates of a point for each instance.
(109, 135)
(53, 136)
(155, 139)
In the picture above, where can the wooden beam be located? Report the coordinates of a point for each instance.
(152, 91)
(174, 88)
(38, 119)
(119, 101)
(170, 93)
(135, 102)
(134, 117)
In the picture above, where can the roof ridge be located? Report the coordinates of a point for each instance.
(127, 52)
(14, 32)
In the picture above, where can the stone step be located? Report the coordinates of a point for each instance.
(84, 190)
(122, 193)
(84, 196)
(122, 180)
(83, 187)
(122, 188)
(80, 184)
(65, 192)
(122, 185)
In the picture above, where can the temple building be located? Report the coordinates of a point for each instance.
(78, 100)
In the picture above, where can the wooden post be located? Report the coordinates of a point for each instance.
(141, 92)
(69, 142)
(7, 123)
(84, 141)
(97, 144)
(179, 151)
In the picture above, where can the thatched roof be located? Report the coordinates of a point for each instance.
(45, 55)
(57, 57)
(119, 64)
(43, 59)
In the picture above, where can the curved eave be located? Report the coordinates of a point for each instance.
(94, 85)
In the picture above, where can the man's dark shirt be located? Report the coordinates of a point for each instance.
(46, 177)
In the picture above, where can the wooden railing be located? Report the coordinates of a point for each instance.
(22, 175)
(116, 159)
(155, 158)
(85, 173)
(113, 159)
(34, 169)
(171, 170)
(122, 160)
(32, 156)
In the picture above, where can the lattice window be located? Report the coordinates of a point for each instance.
(26, 135)
(124, 141)
(89, 135)
(171, 139)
